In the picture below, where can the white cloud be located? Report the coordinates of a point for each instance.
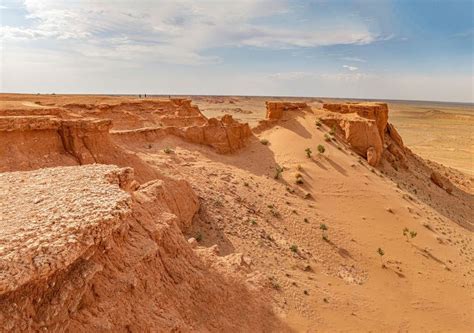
(173, 31)
(356, 59)
(351, 68)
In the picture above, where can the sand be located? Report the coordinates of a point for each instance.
(271, 227)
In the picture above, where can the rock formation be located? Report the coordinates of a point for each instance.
(275, 110)
(49, 141)
(361, 125)
(82, 254)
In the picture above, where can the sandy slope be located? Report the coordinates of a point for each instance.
(337, 285)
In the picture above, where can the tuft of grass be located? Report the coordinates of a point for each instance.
(264, 142)
(278, 171)
(324, 230)
(299, 181)
(294, 248)
(309, 152)
(327, 138)
(409, 234)
(333, 130)
(168, 150)
(253, 222)
(321, 149)
(318, 124)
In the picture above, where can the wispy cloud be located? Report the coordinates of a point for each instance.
(351, 68)
(356, 59)
(174, 31)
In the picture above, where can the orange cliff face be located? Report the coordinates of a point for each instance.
(361, 125)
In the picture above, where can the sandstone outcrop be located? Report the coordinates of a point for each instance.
(81, 254)
(361, 125)
(48, 141)
(374, 111)
(82, 126)
(275, 110)
(225, 135)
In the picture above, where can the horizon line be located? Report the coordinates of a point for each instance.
(237, 95)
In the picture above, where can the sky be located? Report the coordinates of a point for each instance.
(381, 49)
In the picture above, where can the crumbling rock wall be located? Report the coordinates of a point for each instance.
(361, 125)
(95, 258)
(32, 142)
(225, 135)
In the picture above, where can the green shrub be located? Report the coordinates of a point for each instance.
(264, 142)
(308, 152)
(168, 150)
(321, 149)
(294, 248)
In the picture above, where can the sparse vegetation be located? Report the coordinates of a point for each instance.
(246, 184)
(252, 222)
(324, 230)
(306, 220)
(299, 167)
(299, 180)
(381, 253)
(294, 248)
(409, 234)
(198, 237)
(327, 138)
(318, 123)
(333, 130)
(278, 171)
(321, 149)
(264, 142)
(308, 152)
(168, 150)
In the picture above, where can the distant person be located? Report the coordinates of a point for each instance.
(140, 96)
(145, 95)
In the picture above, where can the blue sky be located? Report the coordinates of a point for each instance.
(409, 49)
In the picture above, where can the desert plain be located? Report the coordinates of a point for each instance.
(234, 214)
